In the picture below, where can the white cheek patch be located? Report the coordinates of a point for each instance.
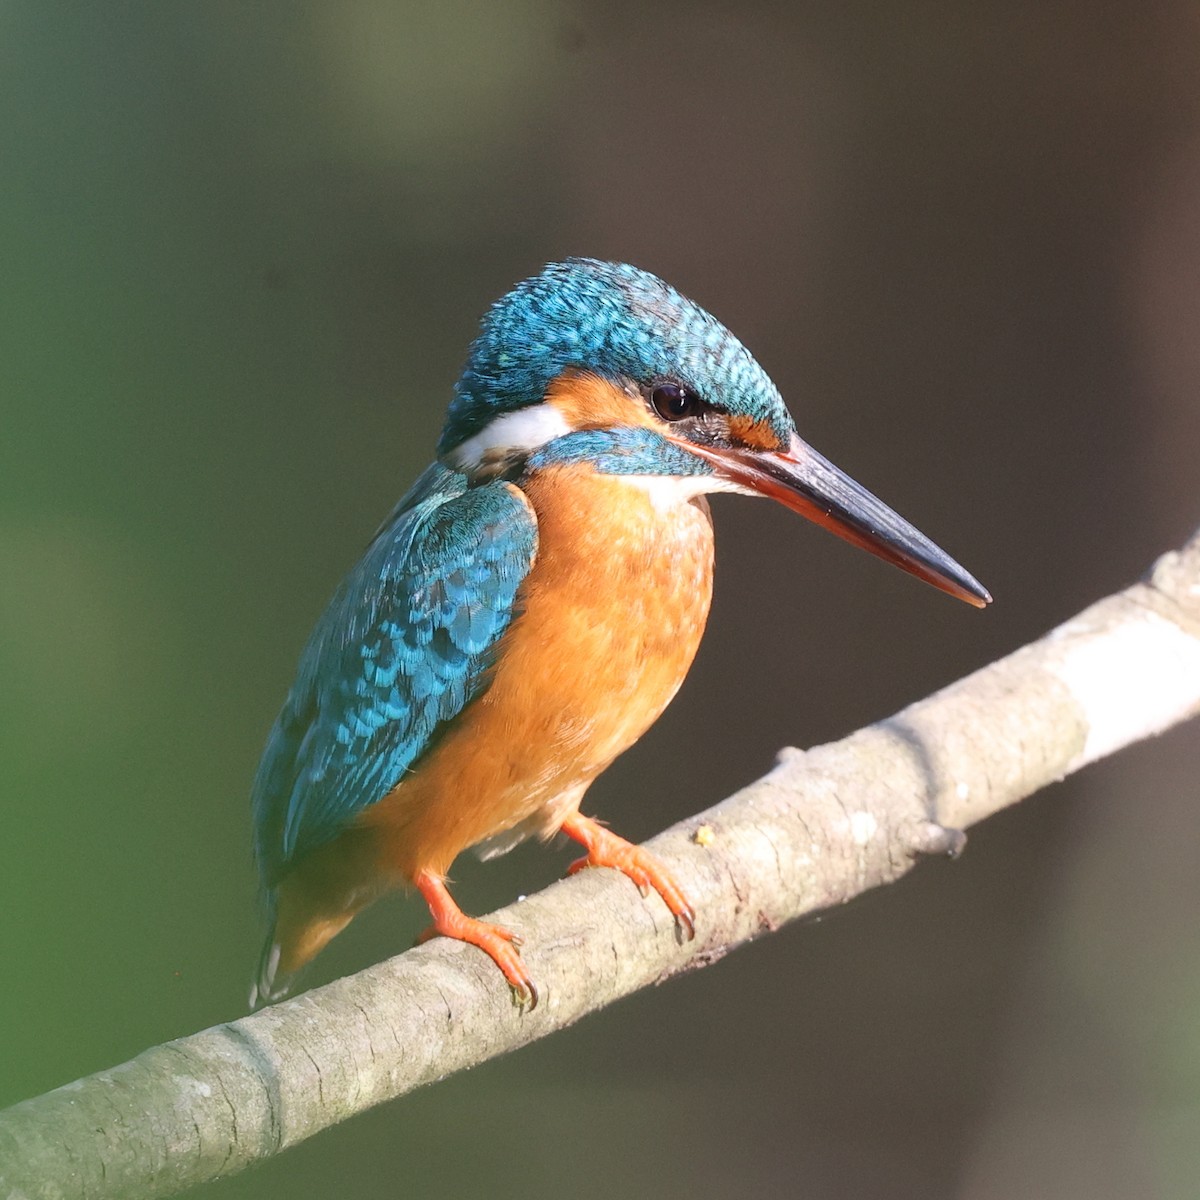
(511, 435)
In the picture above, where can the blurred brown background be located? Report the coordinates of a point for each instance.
(243, 249)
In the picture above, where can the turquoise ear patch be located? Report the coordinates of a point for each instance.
(631, 450)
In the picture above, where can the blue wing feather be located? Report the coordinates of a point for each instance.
(403, 647)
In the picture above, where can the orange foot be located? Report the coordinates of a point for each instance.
(498, 943)
(605, 849)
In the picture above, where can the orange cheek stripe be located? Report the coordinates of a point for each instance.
(588, 402)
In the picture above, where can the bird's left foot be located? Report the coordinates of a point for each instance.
(605, 849)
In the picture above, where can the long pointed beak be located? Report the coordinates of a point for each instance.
(804, 481)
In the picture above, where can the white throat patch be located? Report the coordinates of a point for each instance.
(667, 492)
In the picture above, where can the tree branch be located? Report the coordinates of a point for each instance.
(820, 828)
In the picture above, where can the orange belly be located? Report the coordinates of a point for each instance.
(613, 612)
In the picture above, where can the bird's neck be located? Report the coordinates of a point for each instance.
(587, 515)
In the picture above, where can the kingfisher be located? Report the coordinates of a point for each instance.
(530, 607)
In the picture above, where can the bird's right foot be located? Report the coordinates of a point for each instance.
(498, 943)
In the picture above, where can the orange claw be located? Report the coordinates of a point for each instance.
(498, 943)
(605, 849)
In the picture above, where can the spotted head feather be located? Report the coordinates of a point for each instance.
(611, 320)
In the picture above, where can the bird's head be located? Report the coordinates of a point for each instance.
(606, 364)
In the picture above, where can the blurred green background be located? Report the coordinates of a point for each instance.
(243, 249)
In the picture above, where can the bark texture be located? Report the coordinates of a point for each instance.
(820, 828)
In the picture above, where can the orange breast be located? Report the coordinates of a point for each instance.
(613, 611)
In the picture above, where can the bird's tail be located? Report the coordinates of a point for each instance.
(299, 931)
(269, 985)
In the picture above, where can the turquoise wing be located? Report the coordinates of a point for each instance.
(403, 647)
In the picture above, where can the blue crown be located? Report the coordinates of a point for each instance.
(611, 319)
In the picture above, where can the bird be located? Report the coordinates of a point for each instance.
(530, 607)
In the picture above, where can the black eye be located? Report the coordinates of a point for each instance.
(674, 402)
